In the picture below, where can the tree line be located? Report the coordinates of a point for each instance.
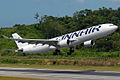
(50, 26)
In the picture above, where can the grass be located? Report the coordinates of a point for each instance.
(99, 64)
(16, 78)
(65, 67)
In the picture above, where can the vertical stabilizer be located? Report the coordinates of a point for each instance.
(19, 44)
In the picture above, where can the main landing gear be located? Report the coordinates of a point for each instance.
(24, 54)
(56, 52)
(71, 50)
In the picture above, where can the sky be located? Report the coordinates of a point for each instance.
(23, 11)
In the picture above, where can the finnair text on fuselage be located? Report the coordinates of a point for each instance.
(79, 33)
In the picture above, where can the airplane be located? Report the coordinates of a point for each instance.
(85, 37)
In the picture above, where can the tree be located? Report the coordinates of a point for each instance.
(37, 17)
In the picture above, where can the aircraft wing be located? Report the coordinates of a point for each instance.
(36, 41)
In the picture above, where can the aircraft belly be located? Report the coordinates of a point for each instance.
(40, 49)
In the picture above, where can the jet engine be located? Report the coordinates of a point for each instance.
(89, 43)
(63, 43)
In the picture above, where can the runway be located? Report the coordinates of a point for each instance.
(50, 74)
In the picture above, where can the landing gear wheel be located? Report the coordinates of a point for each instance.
(107, 38)
(71, 50)
(24, 54)
(56, 52)
(69, 53)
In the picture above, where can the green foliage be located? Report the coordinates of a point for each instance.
(61, 61)
(50, 26)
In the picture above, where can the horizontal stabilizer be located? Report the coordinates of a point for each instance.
(9, 49)
(5, 36)
(16, 50)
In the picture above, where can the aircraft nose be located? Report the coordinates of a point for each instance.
(115, 27)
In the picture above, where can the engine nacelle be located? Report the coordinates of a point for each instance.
(88, 43)
(64, 43)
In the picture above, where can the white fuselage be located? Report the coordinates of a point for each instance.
(81, 36)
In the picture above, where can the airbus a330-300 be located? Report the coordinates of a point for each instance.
(85, 37)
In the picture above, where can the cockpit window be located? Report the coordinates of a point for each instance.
(111, 25)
